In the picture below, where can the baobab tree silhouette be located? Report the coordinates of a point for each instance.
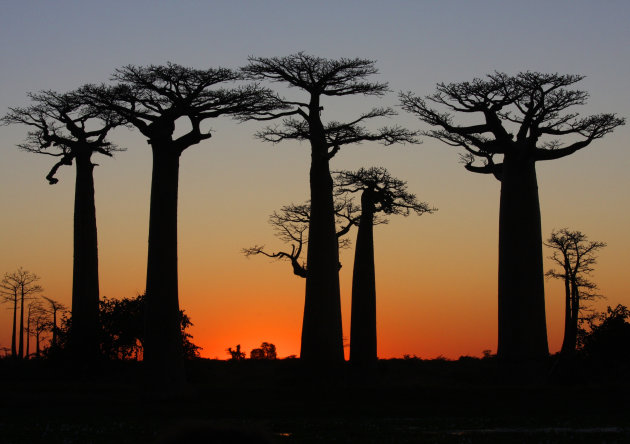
(576, 256)
(291, 226)
(380, 193)
(16, 288)
(152, 99)
(322, 338)
(522, 116)
(65, 126)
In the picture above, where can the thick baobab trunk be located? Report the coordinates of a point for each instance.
(84, 335)
(363, 312)
(322, 336)
(163, 354)
(522, 324)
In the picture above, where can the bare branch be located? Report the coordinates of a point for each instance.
(152, 98)
(384, 193)
(61, 123)
(535, 102)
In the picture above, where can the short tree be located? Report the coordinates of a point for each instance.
(56, 310)
(521, 117)
(380, 193)
(237, 354)
(17, 288)
(64, 126)
(266, 351)
(607, 339)
(122, 332)
(576, 256)
(322, 338)
(39, 321)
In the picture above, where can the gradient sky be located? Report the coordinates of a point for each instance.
(436, 274)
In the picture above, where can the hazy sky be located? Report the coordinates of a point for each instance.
(436, 274)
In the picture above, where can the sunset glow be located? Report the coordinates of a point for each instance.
(436, 274)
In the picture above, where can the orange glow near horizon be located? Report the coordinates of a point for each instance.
(436, 275)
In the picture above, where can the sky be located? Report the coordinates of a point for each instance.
(436, 275)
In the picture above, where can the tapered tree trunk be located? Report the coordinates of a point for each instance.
(84, 342)
(575, 313)
(163, 354)
(37, 350)
(568, 316)
(53, 341)
(28, 333)
(21, 342)
(13, 331)
(322, 336)
(522, 324)
(363, 313)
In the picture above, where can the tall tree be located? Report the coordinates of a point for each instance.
(16, 288)
(380, 193)
(64, 126)
(9, 292)
(322, 339)
(153, 98)
(576, 256)
(291, 226)
(521, 118)
(28, 331)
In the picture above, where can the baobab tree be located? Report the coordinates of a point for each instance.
(64, 126)
(56, 310)
(36, 324)
(322, 338)
(16, 288)
(39, 323)
(291, 226)
(522, 117)
(380, 193)
(9, 292)
(576, 256)
(152, 99)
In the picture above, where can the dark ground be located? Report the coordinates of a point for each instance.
(406, 401)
